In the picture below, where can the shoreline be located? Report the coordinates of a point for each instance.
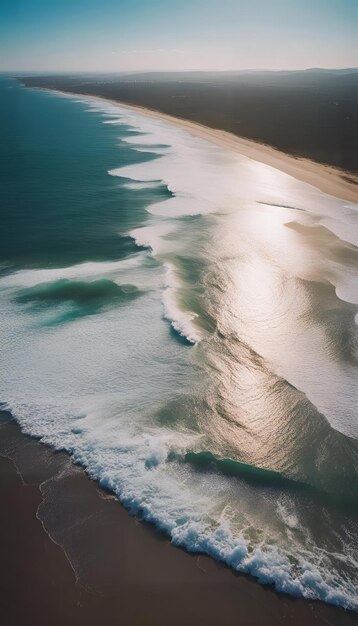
(131, 574)
(120, 569)
(327, 179)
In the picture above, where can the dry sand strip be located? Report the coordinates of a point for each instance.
(330, 180)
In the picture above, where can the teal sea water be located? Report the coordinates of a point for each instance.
(183, 320)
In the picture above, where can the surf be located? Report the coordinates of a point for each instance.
(209, 438)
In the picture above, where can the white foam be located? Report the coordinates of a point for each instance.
(153, 237)
(95, 388)
(29, 278)
(93, 392)
(181, 321)
(134, 466)
(148, 185)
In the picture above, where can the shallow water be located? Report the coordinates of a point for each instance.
(182, 320)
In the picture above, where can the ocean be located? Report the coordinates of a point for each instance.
(183, 321)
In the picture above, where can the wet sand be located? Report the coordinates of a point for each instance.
(72, 555)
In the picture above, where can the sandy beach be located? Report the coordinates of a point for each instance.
(179, 313)
(328, 179)
(72, 553)
(74, 556)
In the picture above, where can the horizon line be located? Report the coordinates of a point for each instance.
(176, 71)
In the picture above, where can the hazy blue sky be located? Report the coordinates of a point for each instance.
(177, 34)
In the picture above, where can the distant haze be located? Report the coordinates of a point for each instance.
(131, 35)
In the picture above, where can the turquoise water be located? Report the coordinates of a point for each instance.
(182, 320)
(55, 160)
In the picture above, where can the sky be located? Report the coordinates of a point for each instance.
(135, 35)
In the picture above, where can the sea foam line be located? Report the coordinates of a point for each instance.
(130, 468)
(136, 471)
(181, 322)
